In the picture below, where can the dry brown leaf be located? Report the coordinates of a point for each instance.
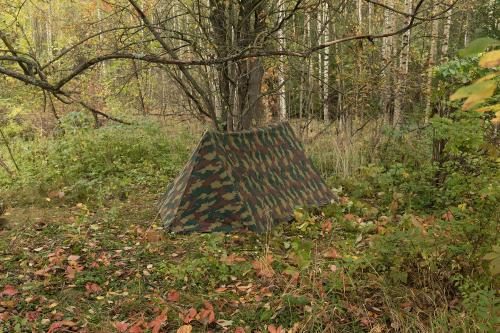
(173, 296)
(332, 254)
(54, 327)
(121, 326)
(8, 290)
(153, 236)
(138, 326)
(327, 226)
(448, 216)
(232, 259)
(207, 315)
(156, 323)
(92, 288)
(274, 329)
(263, 266)
(188, 316)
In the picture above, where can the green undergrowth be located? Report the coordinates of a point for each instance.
(95, 165)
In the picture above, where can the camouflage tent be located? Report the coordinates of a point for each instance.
(242, 181)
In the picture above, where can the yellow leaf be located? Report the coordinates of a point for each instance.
(490, 59)
(475, 93)
(489, 77)
(496, 120)
(185, 329)
(476, 88)
(488, 108)
(298, 215)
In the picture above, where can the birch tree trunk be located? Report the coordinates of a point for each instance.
(281, 69)
(466, 29)
(101, 37)
(446, 35)
(402, 72)
(360, 15)
(430, 64)
(49, 30)
(387, 51)
(326, 68)
(370, 15)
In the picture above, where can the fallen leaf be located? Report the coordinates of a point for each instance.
(188, 316)
(56, 257)
(239, 329)
(263, 266)
(70, 273)
(73, 257)
(8, 290)
(406, 305)
(448, 216)
(273, 329)
(92, 288)
(173, 296)
(207, 315)
(185, 329)
(60, 324)
(332, 254)
(153, 236)
(327, 226)
(350, 217)
(32, 315)
(138, 327)
(224, 323)
(232, 258)
(156, 323)
(43, 272)
(377, 329)
(8, 304)
(121, 326)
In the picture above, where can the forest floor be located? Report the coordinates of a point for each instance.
(68, 268)
(83, 250)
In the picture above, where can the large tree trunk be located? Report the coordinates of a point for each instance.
(252, 20)
(221, 30)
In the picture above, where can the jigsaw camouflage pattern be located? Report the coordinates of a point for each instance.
(247, 180)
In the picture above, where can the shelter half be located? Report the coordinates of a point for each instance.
(246, 180)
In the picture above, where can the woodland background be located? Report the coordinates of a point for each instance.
(102, 101)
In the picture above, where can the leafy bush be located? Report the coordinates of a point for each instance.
(440, 190)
